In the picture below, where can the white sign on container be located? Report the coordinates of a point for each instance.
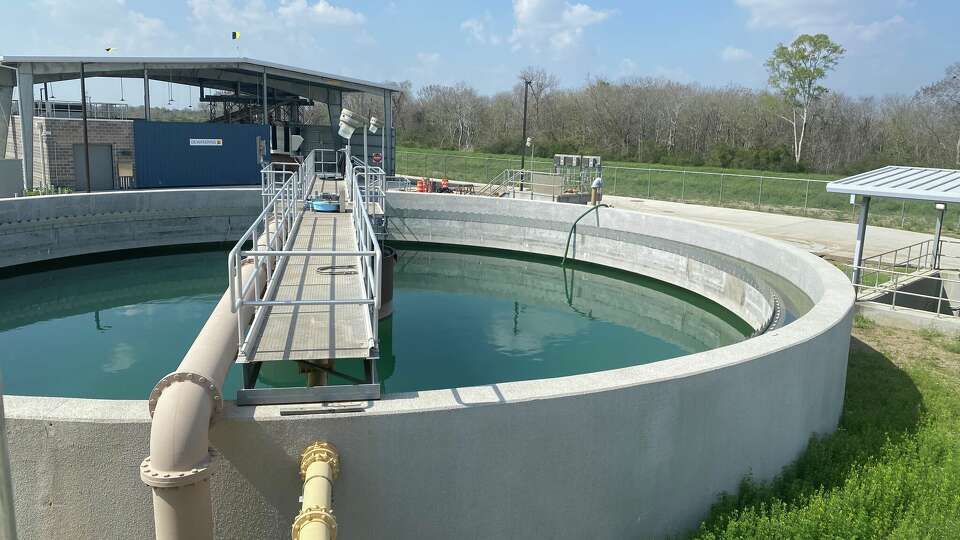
(206, 142)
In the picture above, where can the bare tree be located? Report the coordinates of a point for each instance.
(946, 93)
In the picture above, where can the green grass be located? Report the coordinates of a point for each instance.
(891, 470)
(787, 193)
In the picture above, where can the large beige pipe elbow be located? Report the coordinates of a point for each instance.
(319, 467)
(183, 404)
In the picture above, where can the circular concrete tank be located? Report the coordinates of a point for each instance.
(632, 452)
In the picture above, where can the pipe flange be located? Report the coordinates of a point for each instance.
(312, 515)
(157, 478)
(320, 451)
(186, 376)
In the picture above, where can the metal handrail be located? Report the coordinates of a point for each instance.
(892, 287)
(507, 182)
(269, 243)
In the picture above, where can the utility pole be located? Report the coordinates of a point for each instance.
(523, 139)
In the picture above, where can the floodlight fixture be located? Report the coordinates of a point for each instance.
(349, 122)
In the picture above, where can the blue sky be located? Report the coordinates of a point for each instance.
(893, 46)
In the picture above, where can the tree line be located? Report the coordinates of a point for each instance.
(795, 124)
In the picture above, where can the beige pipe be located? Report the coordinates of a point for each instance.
(319, 467)
(183, 405)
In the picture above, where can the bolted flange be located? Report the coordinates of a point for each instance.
(320, 451)
(312, 515)
(157, 478)
(186, 376)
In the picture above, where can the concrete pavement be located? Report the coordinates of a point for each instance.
(830, 239)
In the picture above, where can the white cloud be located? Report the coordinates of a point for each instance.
(551, 24)
(672, 73)
(89, 27)
(428, 59)
(320, 12)
(843, 20)
(734, 54)
(628, 67)
(477, 30)
(872, 31)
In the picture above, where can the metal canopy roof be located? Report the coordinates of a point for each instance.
(898, 182)
(188, 70)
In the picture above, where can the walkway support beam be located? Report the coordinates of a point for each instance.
(319, 467)
(183, 405)
(861, 234)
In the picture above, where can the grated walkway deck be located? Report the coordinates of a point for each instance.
(318, 332)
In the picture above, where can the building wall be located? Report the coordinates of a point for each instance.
(14, 148)
(53, 163)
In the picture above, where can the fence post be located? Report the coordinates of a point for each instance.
(614, 181)
(444, 166)
(806, 197)
(683, 184)
(486, 170)
(649, 179)
(903, 207)
(425, 165)
(721, 190)
(760, 195)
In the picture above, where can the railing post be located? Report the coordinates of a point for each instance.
(649, 181)
(721, 190)
(614, 192)
(683, 184)
(444, 166)
(760, 195)
(806, 196)
(903, 208)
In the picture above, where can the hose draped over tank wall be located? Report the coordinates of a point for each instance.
(183, 405)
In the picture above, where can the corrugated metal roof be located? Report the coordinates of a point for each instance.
(897, 182)
(55, 63)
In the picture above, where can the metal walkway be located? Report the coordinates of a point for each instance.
(318, 296)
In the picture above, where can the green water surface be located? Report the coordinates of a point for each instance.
(110, 328)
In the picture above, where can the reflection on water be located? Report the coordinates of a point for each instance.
(112, 329)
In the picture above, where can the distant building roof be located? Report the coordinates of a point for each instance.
(923, 183)
(187, 70)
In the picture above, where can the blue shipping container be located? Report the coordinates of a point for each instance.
(179, 154)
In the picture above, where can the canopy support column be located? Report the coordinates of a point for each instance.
(146, 95)
(25, 88)
(861, 233)
(941, 207)
(386, 139)
(265, 119)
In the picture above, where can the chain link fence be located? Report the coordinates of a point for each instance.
(777, 194)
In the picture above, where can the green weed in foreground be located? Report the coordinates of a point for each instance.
(892, 469)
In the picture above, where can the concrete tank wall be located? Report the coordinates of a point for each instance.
(47, 227)
(628, 453)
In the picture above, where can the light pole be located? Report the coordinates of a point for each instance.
(523, 139)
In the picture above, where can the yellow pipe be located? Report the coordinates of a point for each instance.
(319, 467)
